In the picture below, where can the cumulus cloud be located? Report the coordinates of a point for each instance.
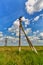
(28, 30)
(35, 32)
(41, 34)
(1, 34)
(33, 38)
(26, 21)
(34, 6)
(37, 17)
(1, 37)
(10, 40)
(15, 27)
(10, 37)
(12, 33)
(41, 15)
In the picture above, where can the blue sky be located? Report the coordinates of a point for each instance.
(10, 10)
(31, 10)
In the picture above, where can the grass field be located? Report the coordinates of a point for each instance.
(11, 56)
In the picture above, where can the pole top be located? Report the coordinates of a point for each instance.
(20, 17)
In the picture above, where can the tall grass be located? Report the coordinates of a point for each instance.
(25, 57)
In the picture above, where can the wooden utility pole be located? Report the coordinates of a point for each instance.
(5, 41)
(20, 34)
(29, 42)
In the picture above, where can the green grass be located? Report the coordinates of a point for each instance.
(11, 56)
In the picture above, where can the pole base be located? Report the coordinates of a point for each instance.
(19, 49)
(33, 49)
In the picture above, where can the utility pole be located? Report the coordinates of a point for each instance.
(6, 41)
(28, 40)
(20, 33)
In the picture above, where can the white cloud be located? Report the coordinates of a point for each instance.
(10, 37)
(15, 27)
(33, 38)
(9, 29)
(1, 34)
(36, 18)
(41, 34)
(26, 21)
(16, 22)
(41, 15)
(35, 32)
(12, 33)
(23, 18)
(34, 6)
(28, 30)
